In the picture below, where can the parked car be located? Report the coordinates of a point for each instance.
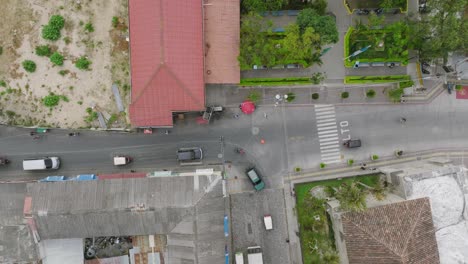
(190, 156)
(362, 12)
(260, 67)
(46, 163)
(293, 66)
(255, 179)
(353, 143)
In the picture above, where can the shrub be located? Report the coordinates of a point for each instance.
(50, 33)
(317, 78)
(64, 98)
(254, 96)
(370, 93)
(2, 83)
(67, 40)
(458, 87)
(395, 94)
(63, 72)
(10, 114)
(291, 97)
(1, 50)
(57, 22)
(89, 27)
(350, 162)
(80, 102)
(115, 21)
(91, 115)
(29, 66)
(297, 169)
(56, 59)
(322, 165)
(315, 96)
(83, 63)
(344, 95)
(51, 100)
(43, 50)
(374, 157)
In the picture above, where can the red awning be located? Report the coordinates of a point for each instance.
(247, 107)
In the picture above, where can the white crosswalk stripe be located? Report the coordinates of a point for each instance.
(330, 146)
(327, 130)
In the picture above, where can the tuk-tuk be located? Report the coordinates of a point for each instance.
(353, 143)
(122, 160)
(42, 130)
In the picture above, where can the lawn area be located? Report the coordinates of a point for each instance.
(317, 235)
(387, 44)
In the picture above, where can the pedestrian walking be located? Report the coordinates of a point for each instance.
(265, 115)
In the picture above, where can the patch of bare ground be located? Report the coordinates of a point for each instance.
(105, 45)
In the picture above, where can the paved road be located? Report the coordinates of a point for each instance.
(290, 134)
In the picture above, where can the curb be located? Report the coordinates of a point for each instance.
(351, 171)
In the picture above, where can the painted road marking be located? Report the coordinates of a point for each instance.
(327, 130)
(330, 146)
(330, 135)
(326, 124)
(334, 139)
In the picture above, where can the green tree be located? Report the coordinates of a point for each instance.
(318, 5)
(325, 26)
(441, 31)
(351, 197)
(255, 46)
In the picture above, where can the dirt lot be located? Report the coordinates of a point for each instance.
(22, 93)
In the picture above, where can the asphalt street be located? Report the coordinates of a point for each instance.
(290, 134)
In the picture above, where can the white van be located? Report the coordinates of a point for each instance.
(46, 163)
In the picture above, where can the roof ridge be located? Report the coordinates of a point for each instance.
(375, 239)
(182, 85)
(413, 227)
(142, 91)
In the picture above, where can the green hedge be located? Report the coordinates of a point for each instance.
(406, 84)
(274, 81)
(376, 79)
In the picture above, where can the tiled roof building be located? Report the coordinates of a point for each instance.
(396, 233)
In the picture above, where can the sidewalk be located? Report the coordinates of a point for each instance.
(233, 95)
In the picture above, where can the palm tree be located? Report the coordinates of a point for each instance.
(351, 197)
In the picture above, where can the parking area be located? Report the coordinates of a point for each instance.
(248, 228)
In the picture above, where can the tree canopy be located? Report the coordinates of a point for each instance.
(440, 31)
(325, 26)
(259, 46)
(351, 197)
(261, 5)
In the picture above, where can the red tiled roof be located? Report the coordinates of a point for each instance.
(222, 37)
(396, 233)
(166, 48)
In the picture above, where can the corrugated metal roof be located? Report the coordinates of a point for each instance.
(115, 207)
(166, 42)
(222, 37)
